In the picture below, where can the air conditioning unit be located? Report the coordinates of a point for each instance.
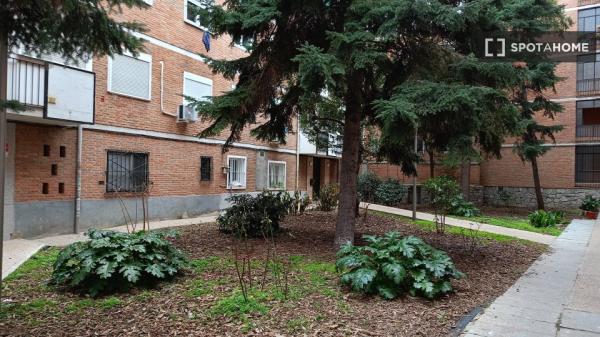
(186, 114)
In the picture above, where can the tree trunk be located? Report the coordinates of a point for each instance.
(536, 183)
(431, 164)
(465, 178)
(346, 219)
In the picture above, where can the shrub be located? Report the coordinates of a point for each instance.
(442, 191)
(391, 265)
(461, 207)
(113, 261)
(590, 204)
(390, 192)
(298, 202)
(256, 216)
(541, 218)
(327, 199)
(367, 186)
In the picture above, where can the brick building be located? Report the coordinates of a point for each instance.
(96, 134)
(571, 169)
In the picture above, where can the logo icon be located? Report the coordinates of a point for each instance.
(495, 52)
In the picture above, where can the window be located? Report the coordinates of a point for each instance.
(588, 20)
(588, 74)
(127, 172)
(243, 41)
(197, 87)
(205, 168)
(587, 164)
(130, 76)
(277, 175)
(190, 13)
(588, 118)
(236, 177)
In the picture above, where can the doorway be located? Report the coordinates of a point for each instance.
(316, 180)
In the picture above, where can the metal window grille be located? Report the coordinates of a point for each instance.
(127, 172)
(277, 175)
(587, 164)
(237, 172)
(206, 168)
(588, 108)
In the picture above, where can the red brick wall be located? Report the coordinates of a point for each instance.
(32, 169)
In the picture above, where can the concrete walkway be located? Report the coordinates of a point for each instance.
(517, 233)
(558, 296)
(16, 252)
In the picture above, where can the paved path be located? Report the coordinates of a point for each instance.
(16, 252)
(517, 233)
(558, 296)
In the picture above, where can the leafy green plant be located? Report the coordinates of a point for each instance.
(256, 216)
(391, 265)
(367, 185)
(461, 207)
(590, 204)
(327, 199)
(442, 191)
(541, 218)
(390, 192)
(298, 202)
(112, 261)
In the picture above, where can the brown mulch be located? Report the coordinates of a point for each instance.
(490, 269)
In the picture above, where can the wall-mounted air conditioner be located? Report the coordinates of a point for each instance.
(186, 114)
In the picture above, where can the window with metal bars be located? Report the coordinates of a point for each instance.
(205, 168)
(587, 164)
(127, 172)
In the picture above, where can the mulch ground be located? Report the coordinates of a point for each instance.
(490, 268)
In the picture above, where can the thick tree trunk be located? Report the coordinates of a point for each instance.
(536, 183)
(346, 219)
(431, 164)
(465, 178)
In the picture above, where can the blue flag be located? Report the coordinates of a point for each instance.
(206, 40)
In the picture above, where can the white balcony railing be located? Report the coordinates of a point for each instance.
(50, 90)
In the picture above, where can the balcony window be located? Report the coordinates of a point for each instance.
(588, 19)
(588, 74)
(277, 175)
(236, 175)
(130, 76)
(127, 172)
(588, 118)
(587, 164)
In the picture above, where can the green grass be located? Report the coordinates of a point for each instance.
(43, 259)
(430, 226)
(514, 222)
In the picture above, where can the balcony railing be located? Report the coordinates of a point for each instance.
(587, 2)
(50, 90)
(588, 87)
(26, 81)
(588, 131)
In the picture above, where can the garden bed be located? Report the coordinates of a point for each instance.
(206, 300)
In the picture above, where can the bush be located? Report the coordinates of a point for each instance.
(256, 216)
(367, 186)
(590, 204)
(391, 265)
(442, 191)
(327, 199)
(459, 206)
(390, 192)
(541, 218)
(113, 261)
(298, 203)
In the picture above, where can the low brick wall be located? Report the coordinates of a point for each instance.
(560, 198)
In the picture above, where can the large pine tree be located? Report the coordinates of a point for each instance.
(368, 55)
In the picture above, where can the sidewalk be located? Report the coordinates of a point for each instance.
(558, 296)
(17, 251)
(517, 233)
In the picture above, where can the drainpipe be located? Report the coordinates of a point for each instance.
(78, 180)
(297, 151)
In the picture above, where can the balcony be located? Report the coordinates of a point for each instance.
(588, 87)
(587, 2)
(330, 146)
(52, 93)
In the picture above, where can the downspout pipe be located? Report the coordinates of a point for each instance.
(77, 219)
(297, 153)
